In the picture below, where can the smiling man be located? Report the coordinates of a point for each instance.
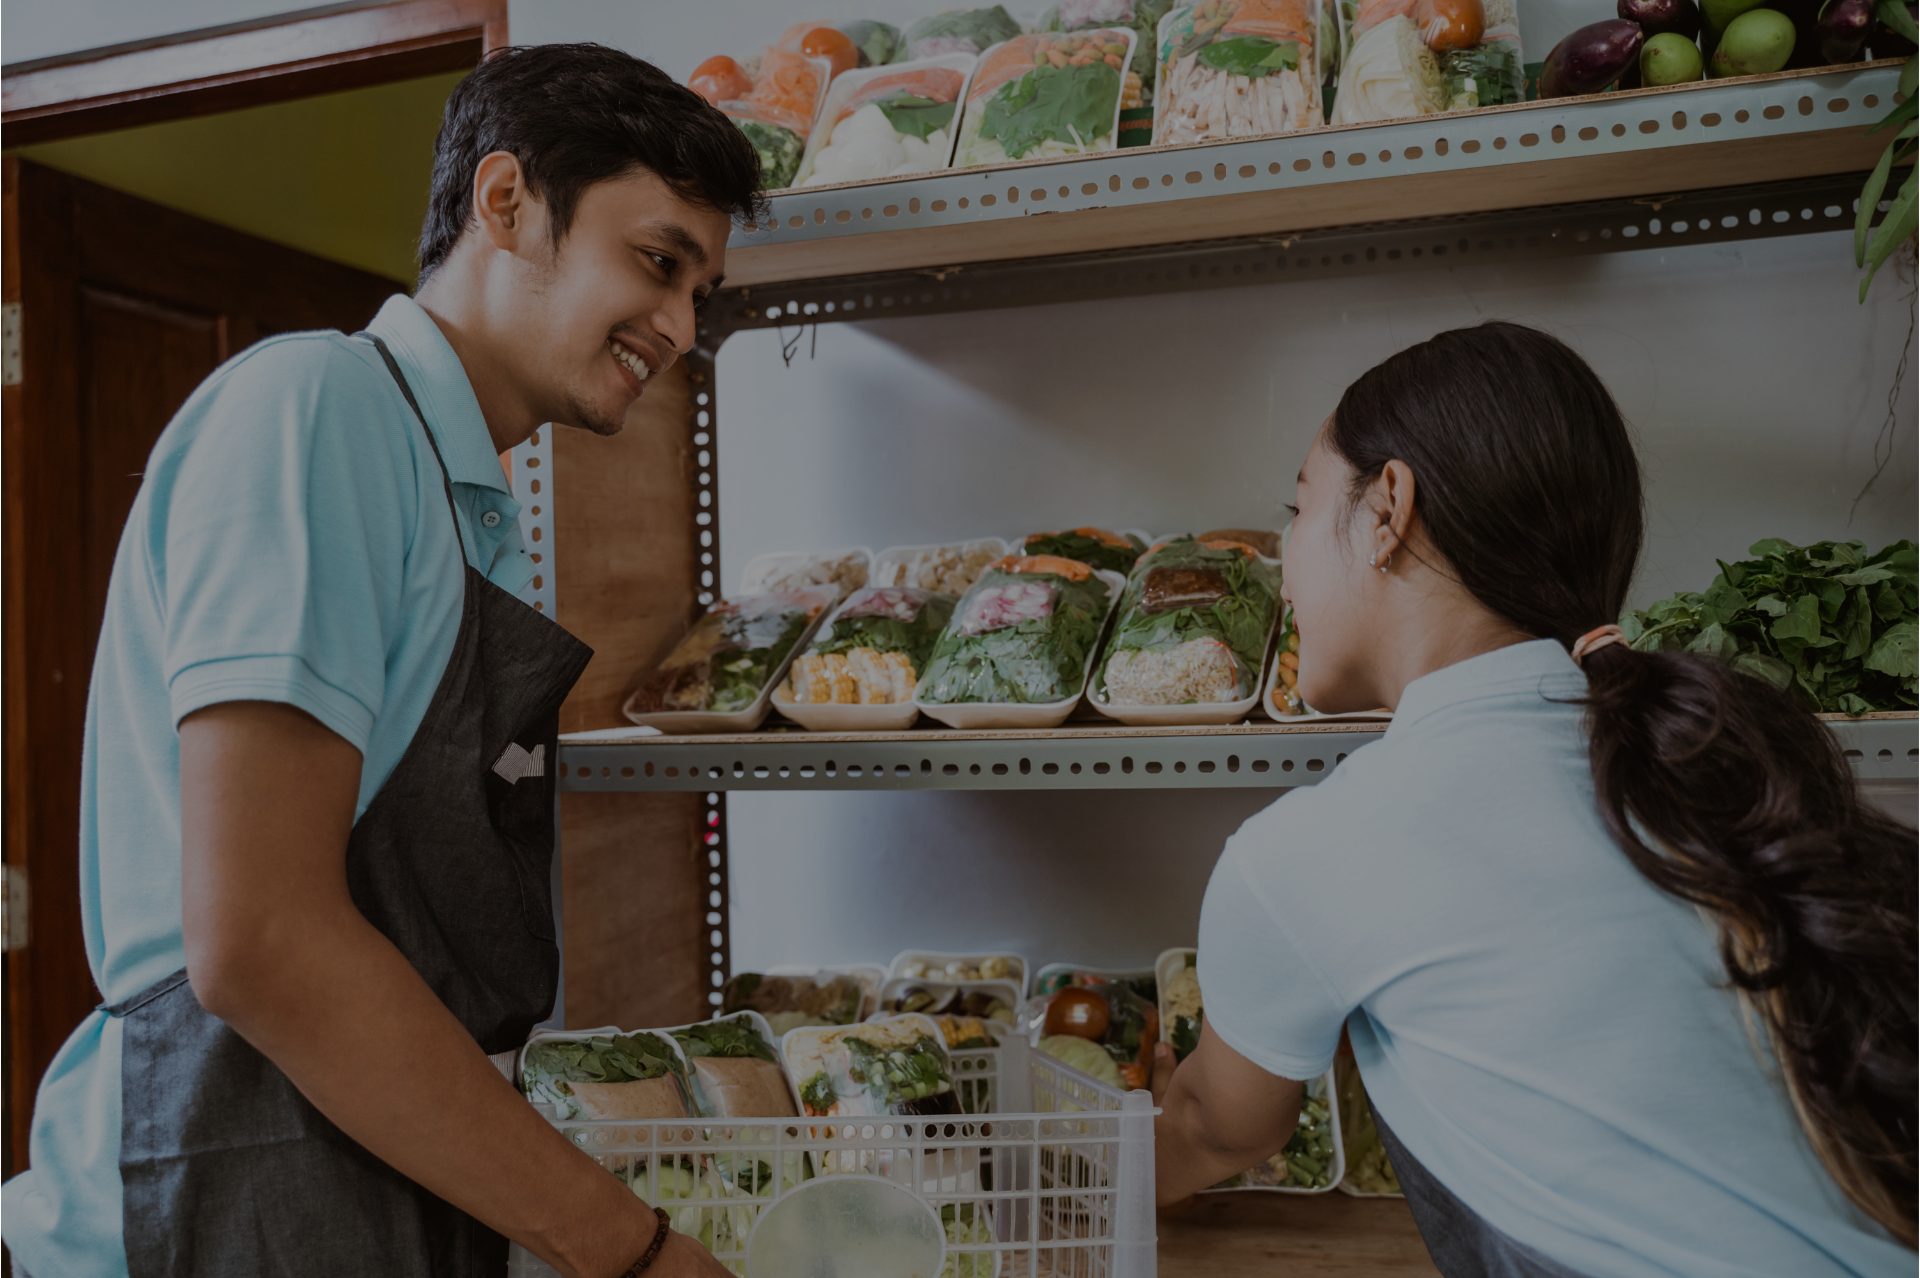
(314, 864)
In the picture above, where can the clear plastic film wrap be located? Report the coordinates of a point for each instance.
(1024, 634)
(1194, 625)
(1241, 68)
(1099, 547)
(960, 31)
(872, 650)
(1408, 58)
(1048, 96)
(731, 655)
(782, 97)
(887, 122)
(891, 1065)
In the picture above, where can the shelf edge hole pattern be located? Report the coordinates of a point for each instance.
(1806, 106)
(1774, 113)
(1589, 134)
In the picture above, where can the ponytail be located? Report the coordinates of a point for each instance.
(1721, 789)
(1726, 793)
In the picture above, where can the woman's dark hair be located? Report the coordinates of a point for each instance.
(1722, 790)
(576, 114)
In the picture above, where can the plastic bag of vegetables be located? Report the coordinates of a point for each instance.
(727, 663)
(1429, 56)
(774, 98)
(1194, 626)
(1024, 634)
(887, 122)
(959, 31)
(1142, 17)
(606, 1075)
(1239, 68)
(1048, 96)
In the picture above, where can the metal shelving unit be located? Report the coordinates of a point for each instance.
(633, 553)
(1244, 756)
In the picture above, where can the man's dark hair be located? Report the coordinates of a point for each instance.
(576, 114)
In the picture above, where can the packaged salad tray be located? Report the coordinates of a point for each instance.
(1241, 68)
(605, 1074)
(891, 121)
(859, 672)
(1097, 547)
(892, 1065)
(721, 675)
(1191, 640)
(1048, 96)
(791, 999)
(947, 567)
(1313, 1161)
(774, 99)
(733, 1068)
(1407, 58)
(1019, 649)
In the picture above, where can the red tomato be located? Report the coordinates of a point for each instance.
(720, 79)
(1081, 1013)
(825, 42)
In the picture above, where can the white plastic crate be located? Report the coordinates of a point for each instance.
(1058, 1177)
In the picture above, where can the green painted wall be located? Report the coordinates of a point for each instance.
(343, 176)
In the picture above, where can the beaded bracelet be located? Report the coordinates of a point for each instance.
(653, 1249)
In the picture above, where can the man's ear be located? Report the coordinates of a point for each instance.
(503, 207)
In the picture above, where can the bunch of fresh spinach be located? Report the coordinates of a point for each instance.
(1828, 620)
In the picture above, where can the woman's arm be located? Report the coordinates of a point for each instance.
(1219, 1115)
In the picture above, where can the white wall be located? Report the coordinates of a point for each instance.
(38, 29)
(1756, 383)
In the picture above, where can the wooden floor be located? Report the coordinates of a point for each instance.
(1231, 1235)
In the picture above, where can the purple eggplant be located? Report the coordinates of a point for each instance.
(1843, 29)
(1657, 17)
(1591, 58)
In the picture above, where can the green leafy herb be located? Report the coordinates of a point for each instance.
(882, 629)
(1087, 549)
(817, 1094)
(916, 116)
(1484, 76)
(737, 1037)
(1034, 661)
(1253, 56)
(1073, 105)
(779, 151)
(913, 1078)
(1827, 620)
(550, 1066)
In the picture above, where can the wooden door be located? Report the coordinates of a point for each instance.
(124, 307)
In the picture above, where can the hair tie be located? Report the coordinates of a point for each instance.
(1594, 640)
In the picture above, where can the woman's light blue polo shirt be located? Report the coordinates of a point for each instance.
(290, 542)
(1547, 1032)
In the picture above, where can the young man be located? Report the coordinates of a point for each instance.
(314, 864)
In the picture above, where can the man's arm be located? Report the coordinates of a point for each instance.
(1219, 1115)
(277, 950)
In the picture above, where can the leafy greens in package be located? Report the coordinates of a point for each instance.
(1194, 625)
(1115, 552)
(893, 1065)
(606, 1076)
(731, 654)
(960, 31)
(1048, 96)
(1239, 68)
(1024, 634)
(873, 649)
(734, 1069)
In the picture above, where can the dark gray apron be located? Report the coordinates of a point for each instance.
(1461, 1243)
(229, 1172)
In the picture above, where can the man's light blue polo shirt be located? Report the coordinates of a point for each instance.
(291, 542)
(1548, 1033)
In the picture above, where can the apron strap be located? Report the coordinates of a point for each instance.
(166, 985)
(446, 482)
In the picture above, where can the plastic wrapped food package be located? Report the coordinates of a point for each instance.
(941, 965)
(1048, 96)
(1098, 547)
(1114, 1015)
(1054, 977)
(784, 90)
(726, 665)
(791, 1001)
(887, 122)
(995, 1001)
(1408, 58)
(893, 1065)
(848, 43)
(844, 570)
(871, 651)
(734, 1068)
(604, 1074)
(1194, 626)
(1142, 17)
(1024, 635)
(971, 31)
(948, 568)
(1238, 68)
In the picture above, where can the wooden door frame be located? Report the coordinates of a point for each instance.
(199, 73)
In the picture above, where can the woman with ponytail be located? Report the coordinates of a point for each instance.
(1627, 963)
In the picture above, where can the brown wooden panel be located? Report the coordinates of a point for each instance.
(634, 870)
(1328, 1235)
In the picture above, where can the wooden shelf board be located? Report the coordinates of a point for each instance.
(1256, 1235)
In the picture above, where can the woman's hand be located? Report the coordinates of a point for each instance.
(1164, 1065)
(1219, 1115)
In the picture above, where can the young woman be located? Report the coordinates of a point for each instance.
(1627, 964)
